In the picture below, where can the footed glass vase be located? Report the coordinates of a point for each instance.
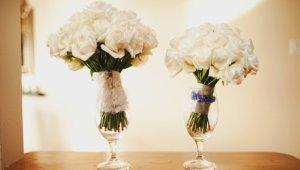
(200, 117)
(111, 118)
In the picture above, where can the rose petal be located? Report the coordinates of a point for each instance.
(171, 63)
(118, 54)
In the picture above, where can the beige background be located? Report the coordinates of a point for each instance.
(262, 114)
(11, 146)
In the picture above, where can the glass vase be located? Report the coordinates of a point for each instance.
(200, 117)
(111, 118)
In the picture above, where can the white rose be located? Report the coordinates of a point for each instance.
(150, 40)
(202, 30)
(171, 63)
(222, 58)
(252, 63)
(174, 43)
(199, 31)
(213, 72)
(135, 45)
(141, 59)
(84, 44)
(234, 47)
(186, 63)
(247, 45)
(192, 32)
(129, 15)
(201, 57)
(234, 74)
(100, 11)
(223, 28)
(187, 44)
(81, 18)
(205, 29)
(117, 41)
(65, 36)
(84, 31)
(119, 54)
(84, 49)
(121, 16)
(101, 28)
(52, 43)
(236, 31)
(215, 40)
(65, 43)
(99, 6)
(70, 27)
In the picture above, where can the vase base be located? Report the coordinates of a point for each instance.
(199, 165)
(113, 165)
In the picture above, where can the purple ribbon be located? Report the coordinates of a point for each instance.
(203, 98)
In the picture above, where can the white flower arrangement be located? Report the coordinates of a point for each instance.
(212, 53)
(107, 41)
(103, 27)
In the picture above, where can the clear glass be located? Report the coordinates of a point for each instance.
(113, 163)
(200, 118)
(111, 118)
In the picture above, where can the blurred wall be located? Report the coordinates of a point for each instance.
(262, 114)
(11, 146)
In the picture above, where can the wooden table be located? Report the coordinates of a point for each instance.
(155, 161)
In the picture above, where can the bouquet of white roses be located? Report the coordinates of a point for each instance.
(106, 41)
(212, 53)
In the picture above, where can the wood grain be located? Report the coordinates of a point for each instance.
(155, 161)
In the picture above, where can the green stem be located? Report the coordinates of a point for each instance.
(203, 77)
(102, 61)
(113, 121)
(198, 122)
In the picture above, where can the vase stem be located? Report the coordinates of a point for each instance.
(113, 149)
(199, 145)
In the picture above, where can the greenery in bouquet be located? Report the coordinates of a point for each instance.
(106, 41)
(213, 53)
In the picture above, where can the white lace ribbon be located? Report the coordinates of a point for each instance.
(112, 96)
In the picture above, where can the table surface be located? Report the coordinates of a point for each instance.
(156, 161)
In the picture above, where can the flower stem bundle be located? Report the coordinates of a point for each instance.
(203, 77)
(113, 122)
(102, 61)
(113, 102)
(198, 122)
